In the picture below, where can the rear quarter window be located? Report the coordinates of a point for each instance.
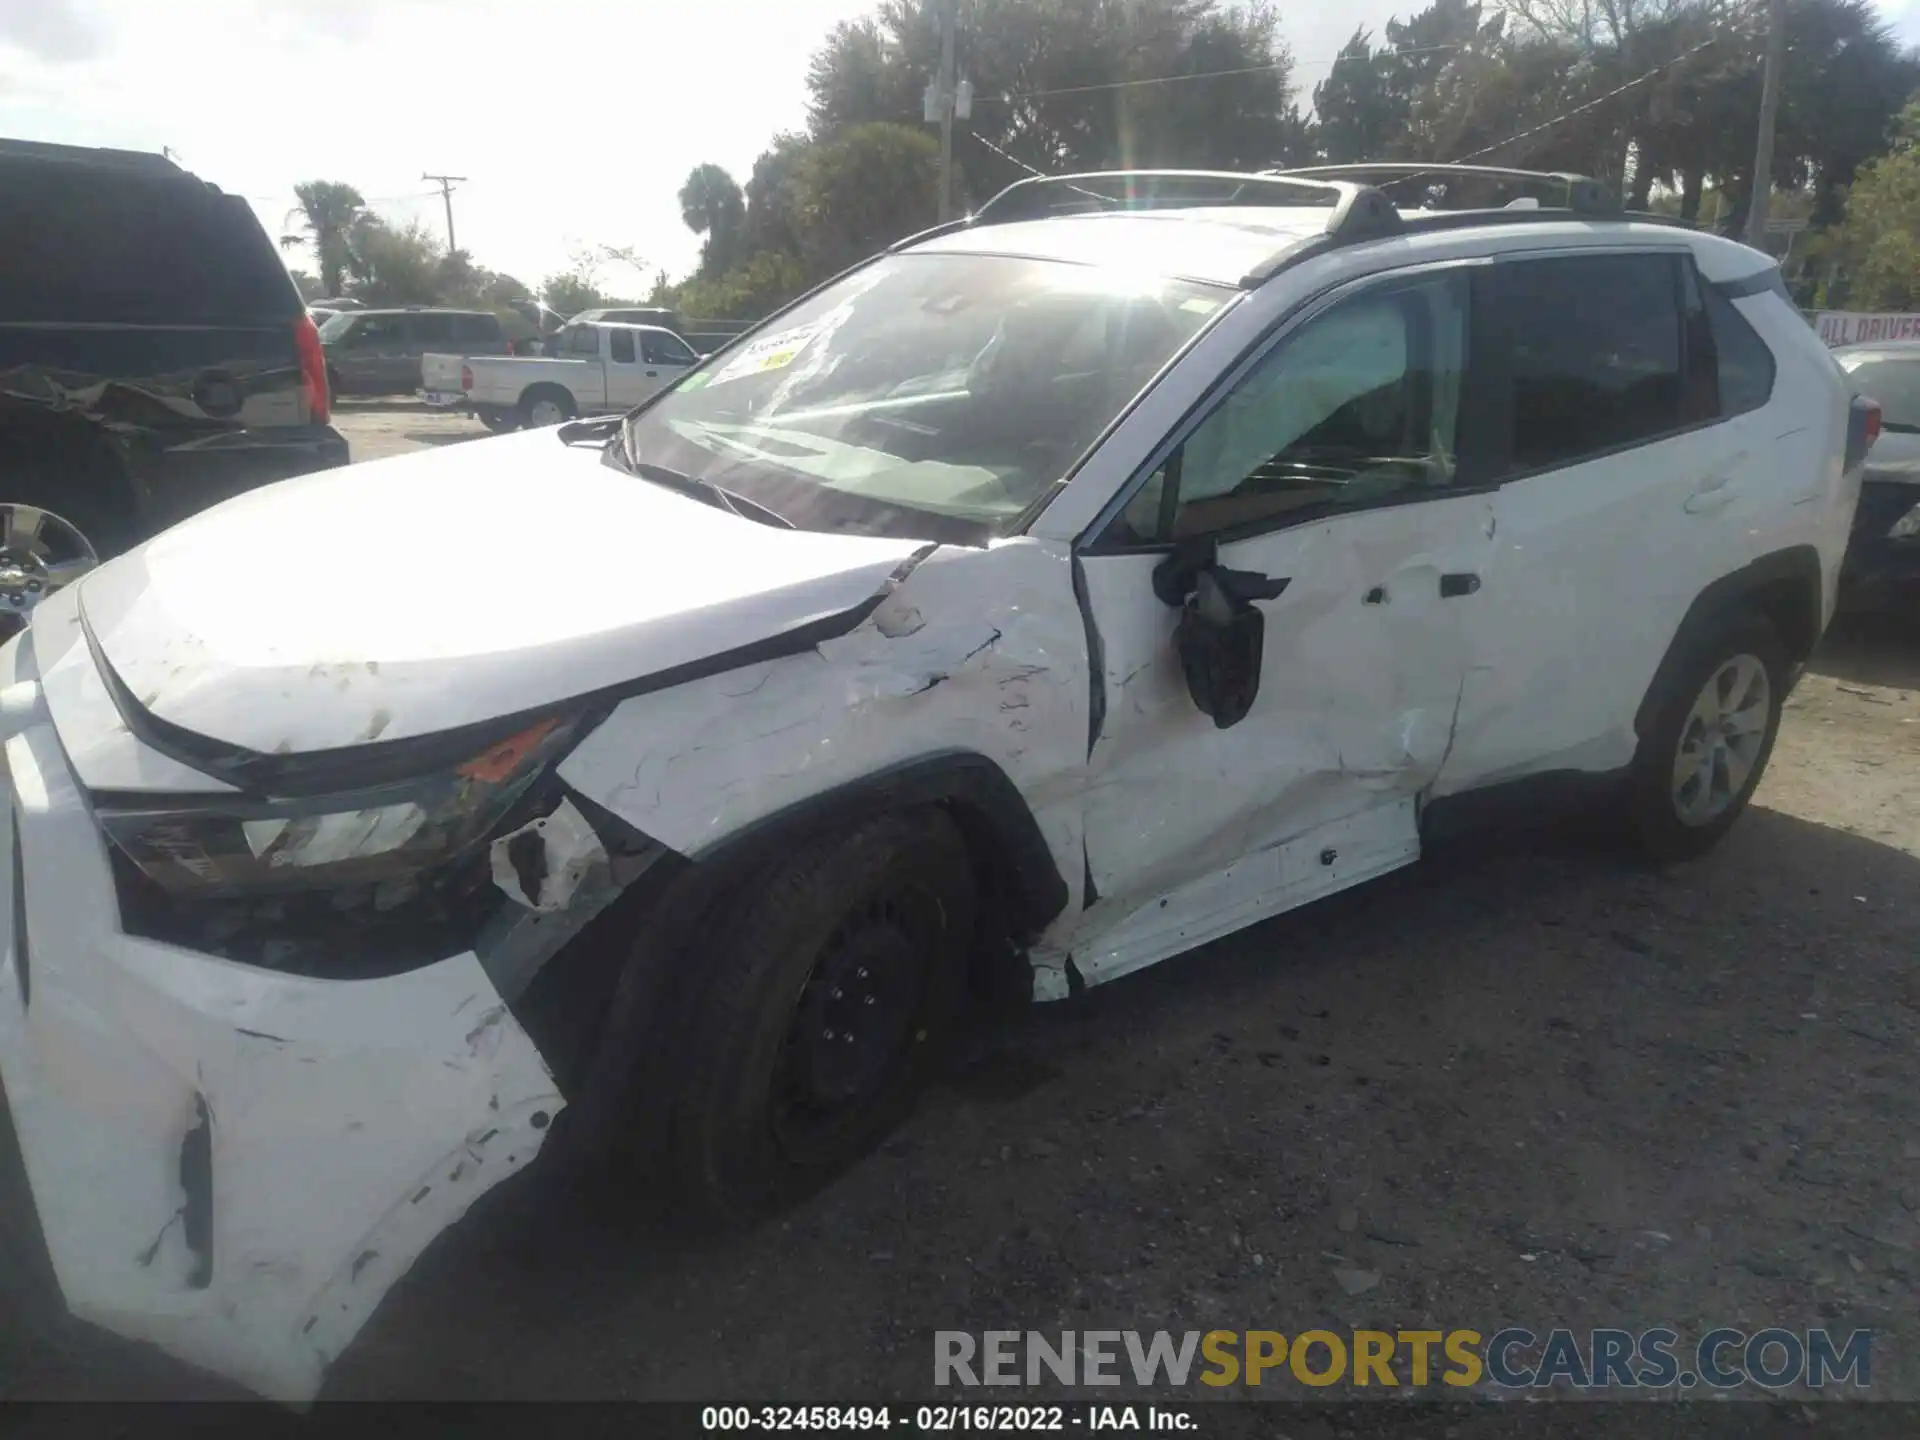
(86, 247)
(476, 327)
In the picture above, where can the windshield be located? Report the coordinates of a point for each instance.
(1893, 380)
(336, 326)
(932, 396)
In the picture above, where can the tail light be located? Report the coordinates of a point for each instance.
(466, 379)
(313, 370)
(1863, 428)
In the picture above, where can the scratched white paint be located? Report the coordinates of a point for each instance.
(351, 1123)
(515, 572)
(1355, 708)
(976, 650)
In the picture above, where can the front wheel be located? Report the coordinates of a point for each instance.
(822, 1003)
(1702, 758)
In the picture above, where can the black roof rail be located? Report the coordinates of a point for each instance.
(1579, 193)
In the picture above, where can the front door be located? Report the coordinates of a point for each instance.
(1328, 479)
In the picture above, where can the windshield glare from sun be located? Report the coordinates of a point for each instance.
(960, 386)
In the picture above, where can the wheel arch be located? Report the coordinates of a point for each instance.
(632, 979)
(1784, 586)
(67, 453)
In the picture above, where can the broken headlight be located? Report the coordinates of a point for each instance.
(227, 847)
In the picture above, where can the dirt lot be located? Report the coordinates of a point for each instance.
(376, 429)
(1527, 1082)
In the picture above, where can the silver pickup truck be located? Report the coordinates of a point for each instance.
(592, 368)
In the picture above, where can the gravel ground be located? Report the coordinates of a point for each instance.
(1527, 1082)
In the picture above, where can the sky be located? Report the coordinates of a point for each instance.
(573, 121)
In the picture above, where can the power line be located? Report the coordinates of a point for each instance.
(1288, 64)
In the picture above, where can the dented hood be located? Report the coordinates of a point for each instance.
(448, 587)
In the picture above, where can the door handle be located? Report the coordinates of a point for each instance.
(1452, 586)
(1710, 495)
(651, 374)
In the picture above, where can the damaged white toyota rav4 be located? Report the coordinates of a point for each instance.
(1144, 556)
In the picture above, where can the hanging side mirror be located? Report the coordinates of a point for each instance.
(1221, 634)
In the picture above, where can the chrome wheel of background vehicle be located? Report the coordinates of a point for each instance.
(546, 412)
(40, 552)
(1721, 740)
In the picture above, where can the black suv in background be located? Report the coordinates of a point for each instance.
(155, 358)
(377, 352)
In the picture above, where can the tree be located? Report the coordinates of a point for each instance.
(1879, 239)
(712, 206)
(577, 287)
(1361, 116)
(770, 198)
(1074, 84)
(328, 210)
(307, 285)
(394, 266)
(862, 190)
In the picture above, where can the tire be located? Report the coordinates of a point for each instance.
(82, 488)
(534, 413)
(1676, 820)
(500, 422)
(887, 908)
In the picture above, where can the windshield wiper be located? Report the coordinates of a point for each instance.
(613, 430)
(706, 490)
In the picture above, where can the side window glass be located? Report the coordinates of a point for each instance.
(583, 340)
(621, 344)
(665, 350)
(433, 329)
(1746, 364)
(1358, 406)
(378, 331)
(1594, 345)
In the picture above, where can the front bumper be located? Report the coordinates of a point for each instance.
(230, 1163)
(1880, 571)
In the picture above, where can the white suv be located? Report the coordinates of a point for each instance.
(1067, 587)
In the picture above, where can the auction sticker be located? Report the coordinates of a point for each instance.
(776, 352)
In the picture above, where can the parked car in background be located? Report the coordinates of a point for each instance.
(377, 352)
(633, 315)
(155, 358)
(593, 368)
(1883, 558)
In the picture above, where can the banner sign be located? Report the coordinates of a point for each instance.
(1849, 327)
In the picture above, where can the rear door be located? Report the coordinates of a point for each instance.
(1633, 474)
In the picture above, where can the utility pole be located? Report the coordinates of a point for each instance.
(1769, 109)
(446, 184)
(947, 9)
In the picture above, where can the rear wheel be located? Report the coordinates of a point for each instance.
(1702, 758)
(498, 421)
(821, 1006)
(545, 405)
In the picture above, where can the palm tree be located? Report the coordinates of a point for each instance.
(328, 210)
(712, 205)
